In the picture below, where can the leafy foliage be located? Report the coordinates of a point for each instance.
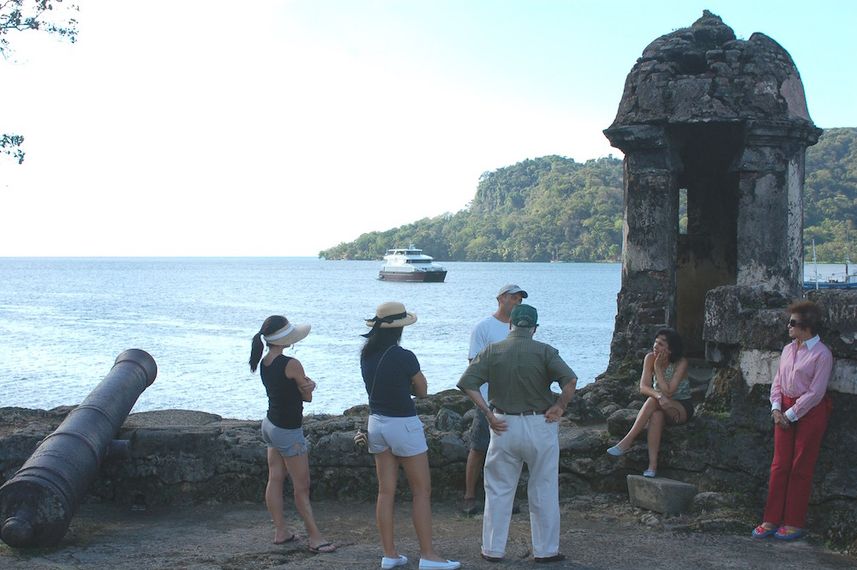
(553, 208)
(830, 196)
(31, 15)
(10, 145)
(34, 15)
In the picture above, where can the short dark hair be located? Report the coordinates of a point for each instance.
(674, 341)
(809, 312)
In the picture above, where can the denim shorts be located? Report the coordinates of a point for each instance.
(289, 442)
(404, 437)
(480, 432)
(688, 407)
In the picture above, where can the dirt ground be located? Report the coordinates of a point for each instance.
(595, 535)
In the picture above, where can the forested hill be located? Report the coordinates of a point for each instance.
(553, 208)
(537, 210)
(830, 199)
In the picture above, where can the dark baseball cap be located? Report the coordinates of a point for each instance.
(525, 316)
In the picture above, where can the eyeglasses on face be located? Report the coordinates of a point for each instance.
(794, 323)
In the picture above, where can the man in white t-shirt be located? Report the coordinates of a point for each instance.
(488, 330)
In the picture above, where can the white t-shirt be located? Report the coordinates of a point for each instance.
(486, 331)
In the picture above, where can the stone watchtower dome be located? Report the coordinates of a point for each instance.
(721, 126)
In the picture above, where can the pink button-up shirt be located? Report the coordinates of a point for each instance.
(803, 374)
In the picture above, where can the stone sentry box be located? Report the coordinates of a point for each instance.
(721, 125)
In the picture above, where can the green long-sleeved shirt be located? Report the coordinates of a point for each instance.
(519, 372)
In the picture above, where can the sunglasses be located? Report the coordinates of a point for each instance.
(794, 323)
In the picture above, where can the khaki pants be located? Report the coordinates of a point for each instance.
(531, 440)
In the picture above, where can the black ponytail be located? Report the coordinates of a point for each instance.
(256, 351)
(272, 324)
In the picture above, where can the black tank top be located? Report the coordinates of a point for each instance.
(285, 405)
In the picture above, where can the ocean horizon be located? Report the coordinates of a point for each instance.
(63, 321)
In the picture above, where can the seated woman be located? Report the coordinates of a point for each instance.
(664, 382)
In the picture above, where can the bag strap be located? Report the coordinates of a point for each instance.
(375, 378)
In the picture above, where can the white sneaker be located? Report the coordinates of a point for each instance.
(432, 565)
(388, 563)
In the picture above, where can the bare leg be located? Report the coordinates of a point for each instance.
(649, 407)
(387, 468)
(656, 429)
(419, 480)
(475, 462)
(274, 495)
(299, 471)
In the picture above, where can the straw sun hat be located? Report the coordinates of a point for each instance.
(288, 335)
(391, 315)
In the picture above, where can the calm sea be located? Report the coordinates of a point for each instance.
(64, 321)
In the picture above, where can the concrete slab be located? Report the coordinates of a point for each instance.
(660, 494)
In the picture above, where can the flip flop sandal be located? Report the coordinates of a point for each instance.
(323, 548)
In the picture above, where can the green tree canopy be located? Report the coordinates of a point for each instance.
(830, 196)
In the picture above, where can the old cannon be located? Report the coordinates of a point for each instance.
(38, 502)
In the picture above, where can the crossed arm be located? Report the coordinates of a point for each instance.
(295, 371)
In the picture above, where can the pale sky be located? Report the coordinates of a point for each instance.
(280, 128)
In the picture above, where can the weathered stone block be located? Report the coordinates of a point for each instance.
(451, 448)
(752, 317)
(760, 367)
(659, 494)
(712, 500)
(844, 376)
(620, 422)
(581, 440)
(839, 327)
(447, 420)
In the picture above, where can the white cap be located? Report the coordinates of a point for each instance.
(511, 289)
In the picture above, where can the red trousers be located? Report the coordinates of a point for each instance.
(795, 452)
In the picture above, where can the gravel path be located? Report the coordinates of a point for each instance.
(595, 535)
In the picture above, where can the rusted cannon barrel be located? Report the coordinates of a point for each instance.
(37, 503)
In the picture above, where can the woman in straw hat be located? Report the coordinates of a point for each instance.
(288, 387)
(396, 436)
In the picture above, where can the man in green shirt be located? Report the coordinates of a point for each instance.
(524, 418)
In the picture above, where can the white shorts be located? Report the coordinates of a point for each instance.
(405, 437)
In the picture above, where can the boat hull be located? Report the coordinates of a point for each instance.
(810, 285)
(413, 276)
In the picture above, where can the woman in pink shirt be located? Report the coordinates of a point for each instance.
(800, 408)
